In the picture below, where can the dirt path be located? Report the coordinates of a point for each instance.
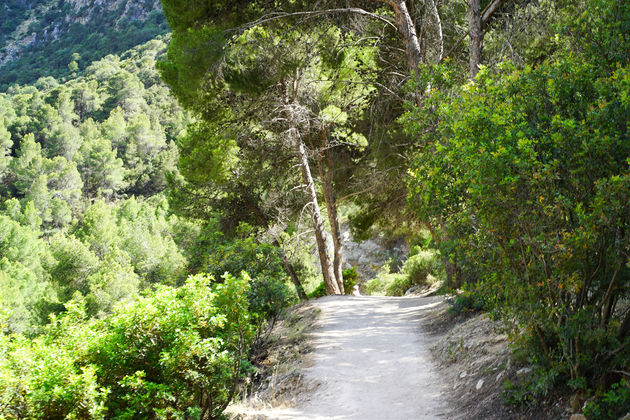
(372, 362)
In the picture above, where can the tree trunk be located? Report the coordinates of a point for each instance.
(438, 24)
(320, 235)
(326, 175)
(407, 29)
(490, 10)
(475, 35)
(289, 99)
(291, 272)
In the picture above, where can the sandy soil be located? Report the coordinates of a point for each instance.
(371, 360)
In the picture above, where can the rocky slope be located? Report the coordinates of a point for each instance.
(44, 37)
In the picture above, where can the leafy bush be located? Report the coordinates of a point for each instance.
(526, 174)
(174, 353)
(217, 254)
(350, 277)
(610, 405)
(422, 267)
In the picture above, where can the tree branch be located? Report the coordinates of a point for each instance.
(355, 10)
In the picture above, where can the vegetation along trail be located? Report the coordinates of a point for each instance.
(372, 361)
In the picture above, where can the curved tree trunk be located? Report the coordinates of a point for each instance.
(407, 29)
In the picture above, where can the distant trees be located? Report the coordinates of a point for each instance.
(71, 154)
(68, 38)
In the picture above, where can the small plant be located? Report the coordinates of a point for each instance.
(350, 277)
(466, 302)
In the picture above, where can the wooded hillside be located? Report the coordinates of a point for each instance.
(158, 218)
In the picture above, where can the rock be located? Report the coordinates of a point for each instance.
(523, 371)
(411, 290)
(626, 417)
(499, 376)
(479, 384)
(576, 401)
(578, 417)
(463, 374)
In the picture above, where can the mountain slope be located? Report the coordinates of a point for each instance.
(59, 37)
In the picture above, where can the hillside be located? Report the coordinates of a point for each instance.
(162, 203)
(60, 37)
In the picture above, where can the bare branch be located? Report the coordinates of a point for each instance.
(283, 15)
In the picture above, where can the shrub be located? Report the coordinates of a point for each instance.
(318, 292)
(525, 175)
(218, 254)
(176, 350)
(350, 277)
(421, 268)
(610, 405)
(174, 353)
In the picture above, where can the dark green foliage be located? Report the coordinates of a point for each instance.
(610, 405)
(106, 31)
(217, 253)
(526, 173)
(467, 302)
(350, 277)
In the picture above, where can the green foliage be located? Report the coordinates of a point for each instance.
(350, 277)
(23, 278)
(168, 354)
(421, 268)
(215, 253)
(610, 405)
(526, 173)
(467, 302)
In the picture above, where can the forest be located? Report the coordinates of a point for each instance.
(162, 206)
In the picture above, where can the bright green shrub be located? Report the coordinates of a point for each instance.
(420, 269)
(173, 353)
(318, 292)
(175, 350)
(45, 378)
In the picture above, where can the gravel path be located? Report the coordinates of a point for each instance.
(373, 362)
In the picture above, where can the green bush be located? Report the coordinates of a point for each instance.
(216, 253)
(350, 277)
(422, 267)
(610, 405)
(525, 173)
(318, 292)
(170, 354)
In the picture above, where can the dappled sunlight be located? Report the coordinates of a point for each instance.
(370, 356)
